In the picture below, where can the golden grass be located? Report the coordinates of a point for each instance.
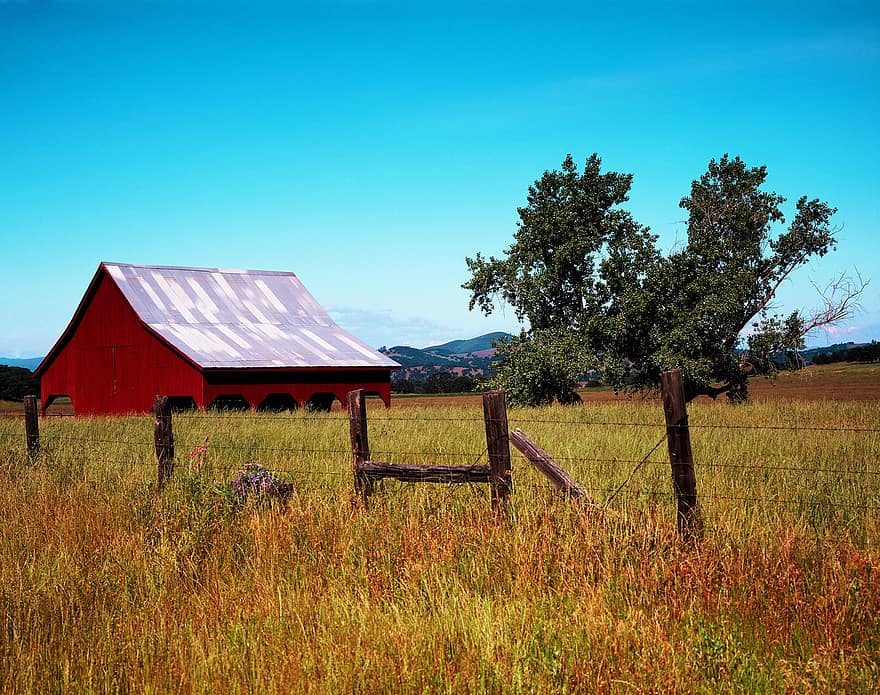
(107, 586)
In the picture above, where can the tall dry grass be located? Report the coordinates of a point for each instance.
(107, 586)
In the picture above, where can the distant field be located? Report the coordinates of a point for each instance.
(107, 586)
(833, 382)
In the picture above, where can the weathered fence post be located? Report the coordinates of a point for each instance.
(684, 479)
(555, 473)
(32, 426)
(360, 445)
(498, 445)
(164, 437)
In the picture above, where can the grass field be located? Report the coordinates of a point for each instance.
(108, 586)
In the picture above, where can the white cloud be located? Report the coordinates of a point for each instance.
(844, 334)
(383, 327)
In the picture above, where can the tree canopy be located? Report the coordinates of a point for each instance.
(597, 292)
(16, 383)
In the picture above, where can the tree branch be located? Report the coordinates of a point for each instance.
(712, 391)
(841, 300)
(768, 297)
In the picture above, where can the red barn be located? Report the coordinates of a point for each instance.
(205, 336)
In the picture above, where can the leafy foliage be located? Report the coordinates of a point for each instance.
(573, 248)
(436, 382)
(596, 291)
(445, 382)
(16, 383)
(536, 368)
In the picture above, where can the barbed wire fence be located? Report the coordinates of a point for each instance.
(841, 492)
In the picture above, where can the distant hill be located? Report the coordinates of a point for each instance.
(460, 347)
(461, 357)
(810, 353)
(474, 357)
(470, 357)
(27, 362)
(413, 357)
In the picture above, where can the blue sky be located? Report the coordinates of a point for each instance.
(370, 146)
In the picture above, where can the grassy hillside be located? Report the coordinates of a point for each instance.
(413, 357)
(478, 344)
(106, 585)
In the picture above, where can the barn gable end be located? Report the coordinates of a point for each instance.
(201, 334)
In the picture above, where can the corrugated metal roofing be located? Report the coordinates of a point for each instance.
(240, 318)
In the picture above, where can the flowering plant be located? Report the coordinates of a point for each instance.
(259, 484)
(197, 456)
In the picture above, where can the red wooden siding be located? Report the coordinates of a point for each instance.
(112, 364)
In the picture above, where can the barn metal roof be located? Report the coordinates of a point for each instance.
(222, 318)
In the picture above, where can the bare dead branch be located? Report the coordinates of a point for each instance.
(840, 299)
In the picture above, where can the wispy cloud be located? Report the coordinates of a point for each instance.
(382, 327)
(378, 327)
(843, 331)
(862, 333)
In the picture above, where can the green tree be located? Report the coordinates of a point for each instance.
(540, 367)
(864, 353)
(439, 382)
(597, 293)
(463, 384)
(403, 386)
(16, 383)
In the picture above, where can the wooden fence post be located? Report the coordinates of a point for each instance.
(164, 437)
(498, 445)
(360, 445)
(32, 426)
(555, 473)
(681, 457)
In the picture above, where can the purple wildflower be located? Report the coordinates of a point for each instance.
(258, 483)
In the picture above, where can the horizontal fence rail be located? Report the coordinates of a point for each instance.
(496, 473)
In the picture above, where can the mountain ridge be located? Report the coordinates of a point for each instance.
(461, 347)
(27, 362)
(471, 357)
(468, 357)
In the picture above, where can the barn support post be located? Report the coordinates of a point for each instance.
(498, 446)
(164, 437)
(681, 457)
(360, 445)
(32, 427)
